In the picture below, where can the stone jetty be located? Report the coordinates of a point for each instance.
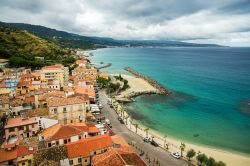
(162, 90)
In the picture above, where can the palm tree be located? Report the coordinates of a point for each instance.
(126, 119)
(136, 127)
(146, 130)
(165, 140)
(182, 147)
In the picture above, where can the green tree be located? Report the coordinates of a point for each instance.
(146, 130)
(190, 154)
(210, 162)
(201, 158)
(136, 127)
(182, 147)
(220, 163)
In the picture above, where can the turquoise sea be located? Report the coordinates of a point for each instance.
(210, 92)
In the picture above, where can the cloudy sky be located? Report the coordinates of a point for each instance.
(224, 22)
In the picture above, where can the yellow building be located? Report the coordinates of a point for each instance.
(55, 72)
(25, 155)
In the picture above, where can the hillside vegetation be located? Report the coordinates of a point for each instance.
(15, 42)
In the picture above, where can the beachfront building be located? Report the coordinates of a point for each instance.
(63, 134)
(55, 72)
(82, 151)
(68, 109)
(42, 97)
(20, 127)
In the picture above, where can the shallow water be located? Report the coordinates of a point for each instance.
(210, 89)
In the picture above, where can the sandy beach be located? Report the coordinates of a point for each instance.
(230, 158)
(137, 85)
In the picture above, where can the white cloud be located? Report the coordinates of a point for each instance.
(197, 21)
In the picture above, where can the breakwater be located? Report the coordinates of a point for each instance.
(162, 90)
(105, 66)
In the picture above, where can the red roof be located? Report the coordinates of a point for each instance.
(6, 155)
(65, 131)
(19, 121)
(30, 99)
(3, 60)
(25, 150)
(85, 146)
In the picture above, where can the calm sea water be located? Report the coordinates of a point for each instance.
(210, 92)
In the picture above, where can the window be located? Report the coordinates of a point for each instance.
(79, 160)
(32, 125)
(80, 137)
(57, 142)
(71, 121)
(55, 110)
(65, 141)
(64, 109)
(71, 162)
(23, 163)
(86, 160)
(95, 153)
(11, 129)
(49, 144)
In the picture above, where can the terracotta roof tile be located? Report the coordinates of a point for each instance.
(85, 146)
(60, 101)
(25, 150)
(6, 155)
(118, 157)
(64, 131)
(19, 121)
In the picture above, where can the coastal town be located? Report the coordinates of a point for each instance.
(57, 116)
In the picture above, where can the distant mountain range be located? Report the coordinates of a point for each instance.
(70, 40)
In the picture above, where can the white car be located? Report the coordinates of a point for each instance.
(146, 139)
(107, 121)
(176, 155)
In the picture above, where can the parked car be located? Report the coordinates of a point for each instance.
(100, 106)
(154, 143)
(107, 121)
(176, 155)
(146, 139)
(120, 119)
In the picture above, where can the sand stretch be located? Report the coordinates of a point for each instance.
(139, 85)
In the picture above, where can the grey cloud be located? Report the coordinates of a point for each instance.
(140, 19)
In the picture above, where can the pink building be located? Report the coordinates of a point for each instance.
(21, 127)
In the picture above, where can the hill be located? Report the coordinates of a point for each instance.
(70, 40)
(16, 42)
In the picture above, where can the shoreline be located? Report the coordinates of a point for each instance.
(231, 158)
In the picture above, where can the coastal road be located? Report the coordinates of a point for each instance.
(158, 153)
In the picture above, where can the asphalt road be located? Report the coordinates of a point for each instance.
(157, 153)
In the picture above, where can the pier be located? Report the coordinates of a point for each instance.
(162, 90)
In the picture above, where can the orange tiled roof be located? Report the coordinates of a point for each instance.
(85, 146)
(59, 131)
(54, 93)
(104, 75)
(85, 90)
(3, 60)
(118, 157)
(25, 150)
(23, 83)
(30, 99)
(81, 69)
(57, 66)
(60, 101)
(6, 155)
(2, 85)
(81, 61)
(19, 121)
